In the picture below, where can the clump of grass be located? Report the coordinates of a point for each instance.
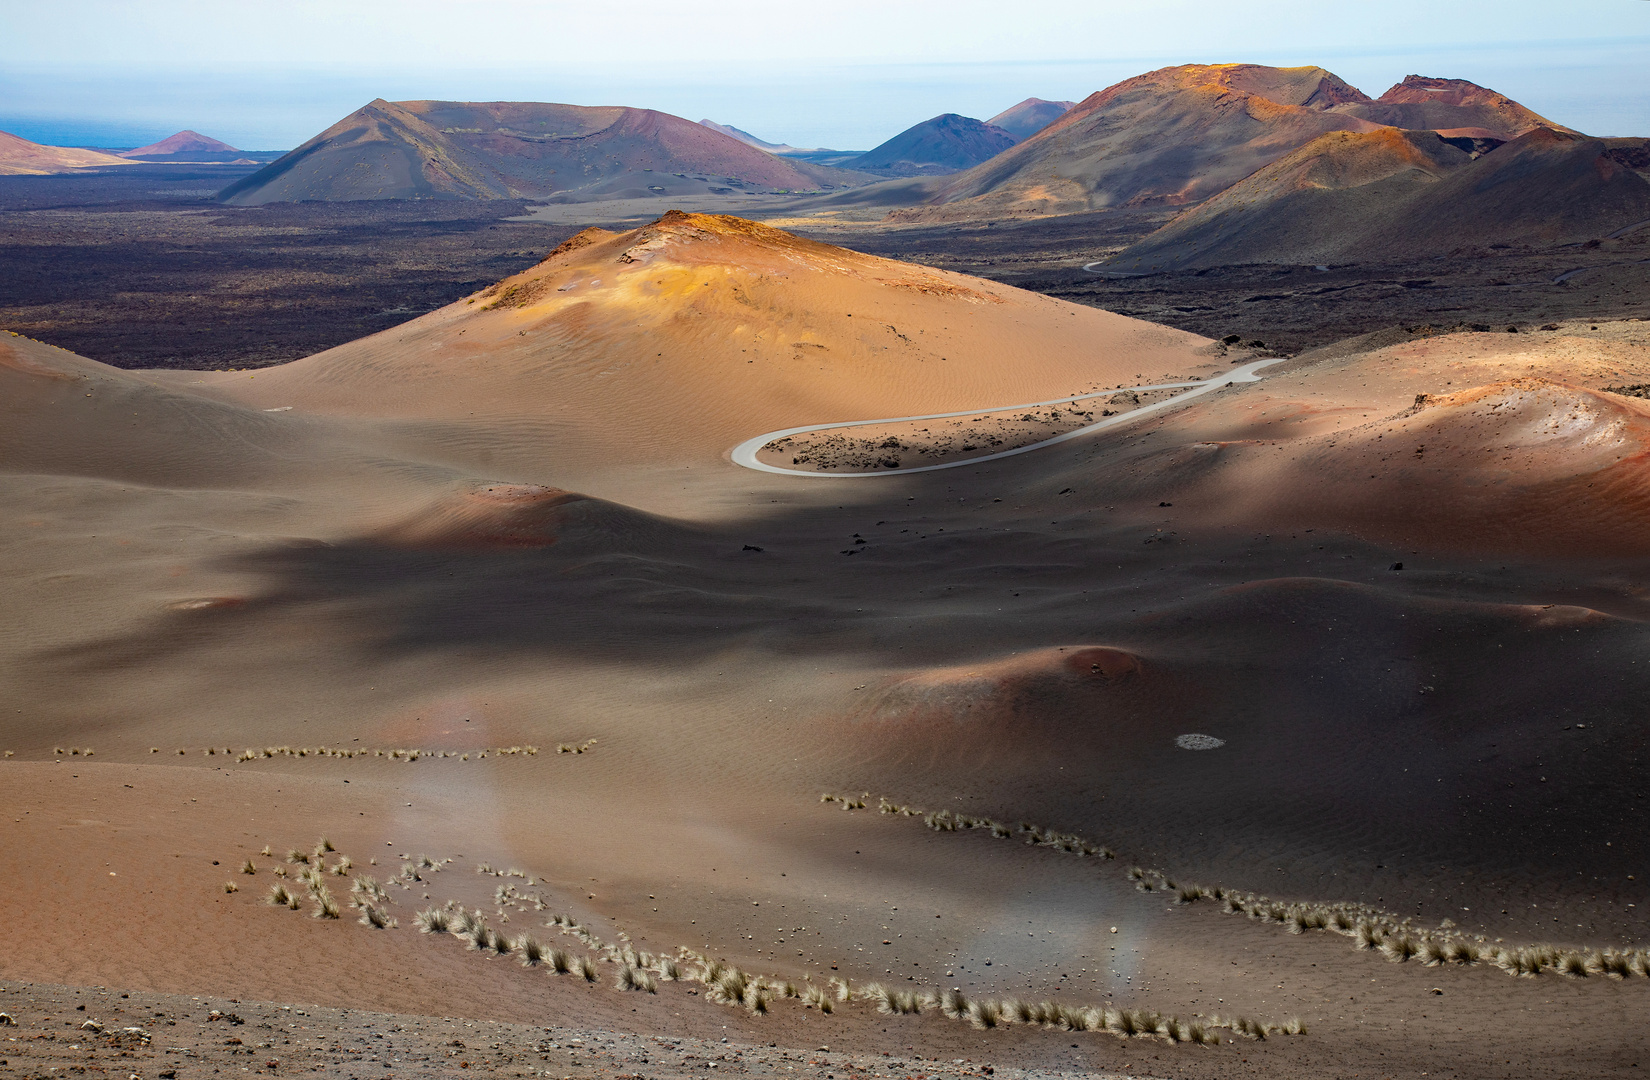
(296, 857)
(841, 989)
(343, 866)
(480, 936)
(631, 977)
(668, 969)
(586, 970)
(1400, 947)
(1615, 964)
(1126, 1023)
(325, 906)
(816, 998)
(230, 886)
(558, 962)
(531, 949)
(1307, 917)
(433, 920)
(374, 916)
(898, 1002)
(366, 888)
(953, 1004)
(984, 1014)
(249, 867)
(726, 986)
(1574, 964)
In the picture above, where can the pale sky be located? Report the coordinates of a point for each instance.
(846, 74)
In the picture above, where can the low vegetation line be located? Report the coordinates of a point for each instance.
(1395, 937)
(301, 878)
(259, 753)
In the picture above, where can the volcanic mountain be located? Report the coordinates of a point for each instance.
(746, 137)
(20, 157)
(1452, 107)
(678, 340)
(1362, 197)
(1170, 137)
(508, 149)
(185, 143)
(943, 144)
(1030, 116)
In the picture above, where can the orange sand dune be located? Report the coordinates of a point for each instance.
(527, 516)
(681, 339)
(1475, 441)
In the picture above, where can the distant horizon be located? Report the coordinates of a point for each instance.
(105, 73)
(1553, 93)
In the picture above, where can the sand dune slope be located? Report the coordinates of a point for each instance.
(1525, 464)
(63, 414)
(1493, 443)
(691, 334)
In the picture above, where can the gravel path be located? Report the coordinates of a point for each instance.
(745, 453)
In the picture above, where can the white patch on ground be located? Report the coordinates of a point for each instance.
(1198, 742)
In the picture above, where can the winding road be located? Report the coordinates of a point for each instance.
(745, 453)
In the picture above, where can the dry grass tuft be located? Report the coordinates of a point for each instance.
(984, 1014)
(631, 977)
(249, 867)
(1400, 947)
(230, 886)
(374, 916)
(325, 906)
(531, 949)
(433, 920)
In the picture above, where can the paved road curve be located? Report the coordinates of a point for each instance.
(745, 453)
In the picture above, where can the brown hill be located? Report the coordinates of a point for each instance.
(509, 149)
(20, 157)
(679, 340)
(746, 137)
(1453, 107)
(1167, 138)
(1350, 197)
(184, 142)
(1030, 116)
(944, 144)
